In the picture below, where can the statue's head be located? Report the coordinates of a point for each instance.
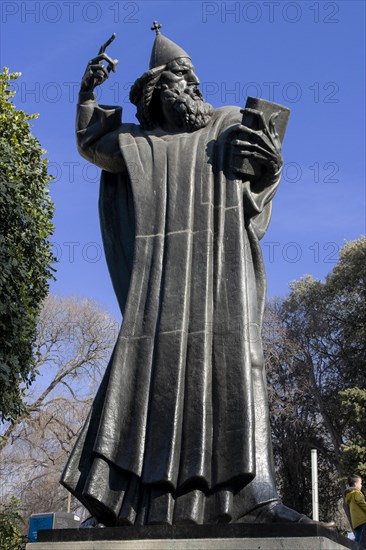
(167, 95)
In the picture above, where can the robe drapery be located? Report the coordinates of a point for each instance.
(170, 436)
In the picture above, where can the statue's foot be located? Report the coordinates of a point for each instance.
(276, 512)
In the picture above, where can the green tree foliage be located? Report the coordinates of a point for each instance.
(25, 251)
(316, 357)
(354, 448)
(11, 521)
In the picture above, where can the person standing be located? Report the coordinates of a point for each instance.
(357, 505)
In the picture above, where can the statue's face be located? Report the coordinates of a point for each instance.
(179, 75)
(182, 106)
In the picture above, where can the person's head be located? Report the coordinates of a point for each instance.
(168, 97)
(355, 481)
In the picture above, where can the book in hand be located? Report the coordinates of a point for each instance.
(267, 109)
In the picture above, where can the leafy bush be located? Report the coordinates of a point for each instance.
(11, 537)
(25, 251)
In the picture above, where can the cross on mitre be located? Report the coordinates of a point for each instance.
(156, 27)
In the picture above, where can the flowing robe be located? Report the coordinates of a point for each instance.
(170, 436)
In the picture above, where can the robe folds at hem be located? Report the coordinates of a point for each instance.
(170, 436)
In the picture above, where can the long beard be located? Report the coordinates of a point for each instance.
(188, 109)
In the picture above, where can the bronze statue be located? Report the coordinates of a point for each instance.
(179, 430)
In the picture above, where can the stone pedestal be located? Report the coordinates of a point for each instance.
(195, 537)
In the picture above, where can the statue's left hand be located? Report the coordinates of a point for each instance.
(261, 147)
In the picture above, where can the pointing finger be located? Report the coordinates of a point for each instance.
(109, 41)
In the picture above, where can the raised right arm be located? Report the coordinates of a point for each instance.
(97, 131)
(98, 126)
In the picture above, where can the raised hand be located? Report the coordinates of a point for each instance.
(261, 147)
(96, 73)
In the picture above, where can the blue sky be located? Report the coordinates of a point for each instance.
(307, 55)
